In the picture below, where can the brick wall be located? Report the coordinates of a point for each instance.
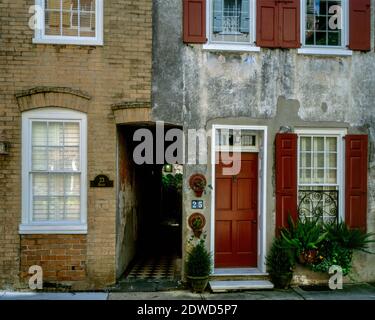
(62, 257)
(119, 71)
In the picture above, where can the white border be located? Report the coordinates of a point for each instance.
(262, 191)
(27, 226)
(232, 46)
(326, 50)
(330, 132)
(41, 38)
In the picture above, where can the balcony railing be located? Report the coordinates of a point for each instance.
(319, 204)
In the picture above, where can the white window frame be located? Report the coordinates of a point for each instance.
(340, 133)
(51, 227)
(231, 46)
(342, 50)
(41, 38)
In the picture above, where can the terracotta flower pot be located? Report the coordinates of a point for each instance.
(198, 184)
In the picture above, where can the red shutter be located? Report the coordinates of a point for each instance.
(286, 178)
(356, 181)
(267, 24)
(360, 25)
(195, 21)
(289, 24)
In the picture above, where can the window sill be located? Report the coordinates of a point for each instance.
(52, 229)
(68, 41)
(231, 47)
(325, 52)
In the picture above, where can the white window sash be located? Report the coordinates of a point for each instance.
(228, 45)
(339, 133)
(331, 50)
(40, 36)
(28, 226)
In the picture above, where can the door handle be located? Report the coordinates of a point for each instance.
(254, 221)
(234, 179)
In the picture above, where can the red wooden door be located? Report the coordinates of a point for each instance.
(236, 214)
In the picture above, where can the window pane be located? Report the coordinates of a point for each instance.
(319, 160)
(71, 159)
(55, 159)
(332, 176)
(87, 18)
(53, 17)
(305, 143)
(305, 176)
(231, 21)
(40, 184)
(39, 133)
(39, 159)
(55, 134)
(318, 176)
(323, 23)
(332, 160)
(72, 184)
(318, 144)
(73, 208)
(332, 144)
(71, 134)
(56, 183)
(40, 209)
(305, 160)
(56, 208)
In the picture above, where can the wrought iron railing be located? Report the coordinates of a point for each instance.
(231, 24)
(319, 204)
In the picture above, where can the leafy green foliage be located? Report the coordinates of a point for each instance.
(321, 246)
(280, 258)
(171, 181)
(332, 253)
(353, 239)
(280, 263)
(199, 260)
(303, 236)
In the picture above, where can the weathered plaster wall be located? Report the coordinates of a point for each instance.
(196, 88)
(127, 205)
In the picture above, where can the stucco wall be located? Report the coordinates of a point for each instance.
(196, 88)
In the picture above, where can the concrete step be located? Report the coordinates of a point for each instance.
(238, 274)
(240, 285)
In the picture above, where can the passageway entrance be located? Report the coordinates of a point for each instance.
(149, 235)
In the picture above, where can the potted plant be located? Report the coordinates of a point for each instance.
(198, 266)
(198, 184)
(305, 238)
(197, 221)
(280, 263)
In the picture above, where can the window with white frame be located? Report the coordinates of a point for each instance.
(320, 175)
(324, 23)
(54, 171)
(231, 21)
(70, 22)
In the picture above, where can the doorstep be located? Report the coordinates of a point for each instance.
(240, 285)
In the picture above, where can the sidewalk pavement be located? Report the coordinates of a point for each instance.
(350, 292)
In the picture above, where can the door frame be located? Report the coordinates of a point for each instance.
(262, 189)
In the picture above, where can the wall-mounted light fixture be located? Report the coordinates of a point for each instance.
(4, 147)
(168, 168)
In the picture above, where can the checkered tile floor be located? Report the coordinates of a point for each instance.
(154, 268)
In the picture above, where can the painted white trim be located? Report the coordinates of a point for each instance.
(333, 132)
(326, 50)
(50, 114)
(262, 190)
(232, 46)
(41, 38)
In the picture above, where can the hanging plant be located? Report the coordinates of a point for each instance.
(198, 184)
(197, 221)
